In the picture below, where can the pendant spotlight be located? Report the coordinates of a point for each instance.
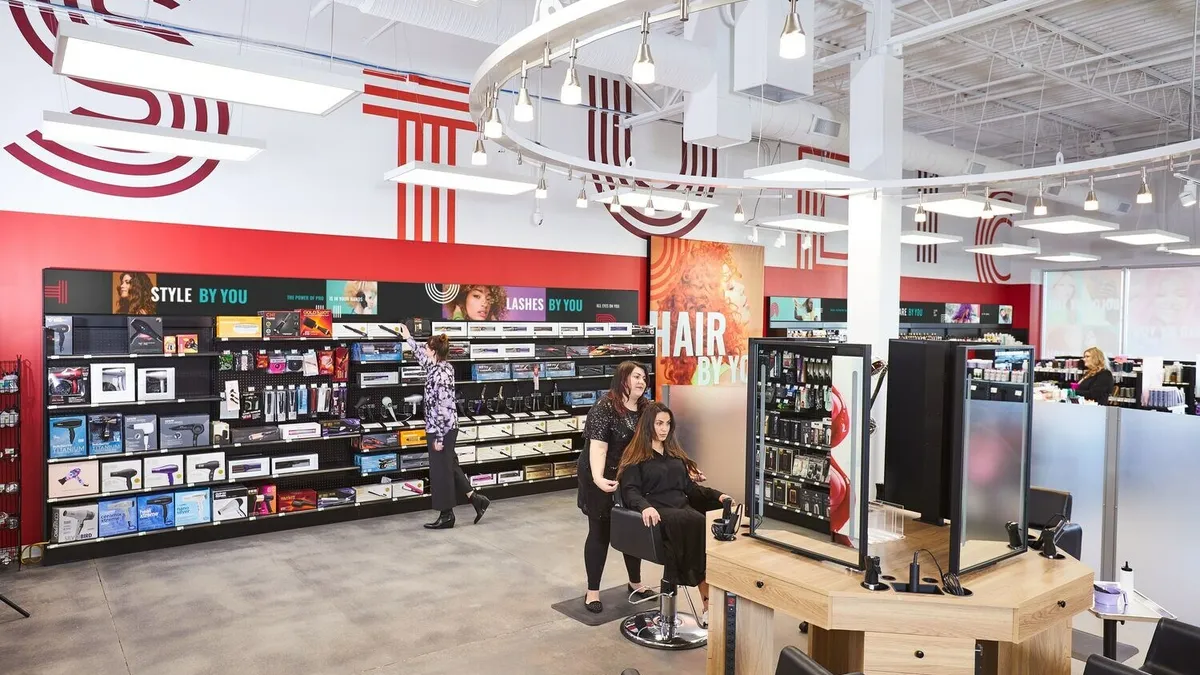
(1039, 207)
(687, 204)
(739, 214)
(987, 203)
(643, 65)
(479, 156)
(781, 240)
(523, 109)
(541, 192)
(793, 43)
(571, 93)
(1187, 197)
(921, 215)
(615, 205)
(1144, 195)
(753, 237)
(650, 210)
(1091, 203)
(492, 127)
(581, 202)
(806, 241)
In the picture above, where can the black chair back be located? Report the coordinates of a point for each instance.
(630, 536)
(792, 661)
(1174, 650)
(1044, 504)
(1098, 665)
(1070, 540)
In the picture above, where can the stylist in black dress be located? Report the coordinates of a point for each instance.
(609, 428)
(1097, 383)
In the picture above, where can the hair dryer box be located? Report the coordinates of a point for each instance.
(184, 431)
(63, 329)
(372, 493)
(68, 384)
(162, 471)
(73, 479)
(141, 433)
(205, 467)
(118, 516)
(193, 507)
(121, 475)
(105, 434)
(263, 500)
(74, 523)
(68, 437)
(231, 503)
(156, 512)
(145, 334)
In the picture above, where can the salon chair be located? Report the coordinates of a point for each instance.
(1098, 665)
(1174, 649)
(792, 661)
(665, 627)
(1044, 505)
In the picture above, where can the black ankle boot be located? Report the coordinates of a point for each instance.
(480, 503)
(445, 521)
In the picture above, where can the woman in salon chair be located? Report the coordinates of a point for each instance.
(657, 479)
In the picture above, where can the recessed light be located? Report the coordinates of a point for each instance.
(1066, 225)
(800, 222)
(1068, 258)
(1146, 237)
(926, 238)
(1001, 250)
(965, 206)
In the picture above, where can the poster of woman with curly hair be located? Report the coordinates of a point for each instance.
(706, 301)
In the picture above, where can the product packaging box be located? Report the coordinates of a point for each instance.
(162, 471)
(539, 471)
(205, 467)
(68, 385)
(485, 372)
(350, 331)
(121, 475)
(340, 427)
(230, 503)
(118, 516)
(170, 344)
(408, 488)
(62, 327)
(412, 438)
(335, 497)
(291, 501)
(491, 351)
(579, 398)
(113, 383)
(451, 329)
(545, 330)
(68, 436)
(491, 453)
(523, 450)
(513, 476)
(294, 464)
(591, 370)
(526, 371)
(372, 493)
(300, 431)
(280, 324)
(249, 467)
(564, 469)
(187, 343)
(377, 463)
(263, 500)
(415, 460)
(141, 433)
(145, 334)
(105, 434)
(254, 434)
(239, 327)
(489, 432)
(620, 329)
(377, 352)
(532, 428)
(466, 454)
(193, 507)
(577, 351)
(482, 479)
(156, 384)
(516, 329)
(550, 351)
(378, 441)
(483, 329)
(183, 431)
(74, 523)
(570, 329)
(73, 479)
(595, 329)
(316, 323)
(156, 512)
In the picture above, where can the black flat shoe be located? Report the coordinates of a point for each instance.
(595, 606)
(481, 504)
(643, 594)
(443, 522)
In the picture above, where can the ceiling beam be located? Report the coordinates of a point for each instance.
(962, 22)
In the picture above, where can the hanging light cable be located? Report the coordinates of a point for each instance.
(793, 43)
(643, 65)
(1144, 195)
(523, 108)
(1091, 203)
(739, 215)
(541, 192)
(1039, 207)
(571, 93)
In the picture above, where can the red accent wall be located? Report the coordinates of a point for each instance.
(32, 242)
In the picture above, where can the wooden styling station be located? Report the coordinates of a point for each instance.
(1019, 612)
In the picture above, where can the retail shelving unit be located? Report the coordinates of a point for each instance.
(10, 464)
(545, 461)
(1127, 377)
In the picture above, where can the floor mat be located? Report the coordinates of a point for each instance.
(1084, 645)
(616, 606)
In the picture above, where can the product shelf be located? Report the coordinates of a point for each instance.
(808, 446)
(188, 486)
(124, 404)
(104, 357)
(793, 509)
(795, 479)
(194, 448)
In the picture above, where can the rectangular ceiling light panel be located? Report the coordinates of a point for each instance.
(1068, 258)
(1066, 225)
(965, 206)
(122, 135)
(663, 200)
(798, 222)
(926, 238)
(140, 60)
(808, 171)
(1146, 237)
(1001, 250)
(458, 178)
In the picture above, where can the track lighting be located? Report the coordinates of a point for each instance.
(1039, 207)
(739, 215)
(541, 192)
(753, 235)
(793, 43)
(643, 65)
(581, 202)
(492, 127)
(571, 93)
(1091, 203)
(649, 210)
(781, 240)
(806, 241)
(1144, 195)
(523, 109)
(479, 156)
(687, 205)
(921, 215)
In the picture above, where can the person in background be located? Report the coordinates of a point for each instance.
(609, 428)
(1097, 383)
(656, 480)
(446, 478)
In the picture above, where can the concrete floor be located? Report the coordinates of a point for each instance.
(375, 597)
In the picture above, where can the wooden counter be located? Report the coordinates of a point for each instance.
(1020, 612)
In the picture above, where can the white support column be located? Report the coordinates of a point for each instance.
(873, 277)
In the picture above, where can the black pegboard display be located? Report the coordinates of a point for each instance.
(11, 376)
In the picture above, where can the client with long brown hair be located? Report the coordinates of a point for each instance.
(656, 479)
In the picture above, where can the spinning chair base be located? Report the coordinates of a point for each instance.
(648, 630)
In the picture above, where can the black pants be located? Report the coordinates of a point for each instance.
(447, 481)
(595, 552)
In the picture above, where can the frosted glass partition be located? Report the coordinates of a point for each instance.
(1158, 476)
(1068, 454)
